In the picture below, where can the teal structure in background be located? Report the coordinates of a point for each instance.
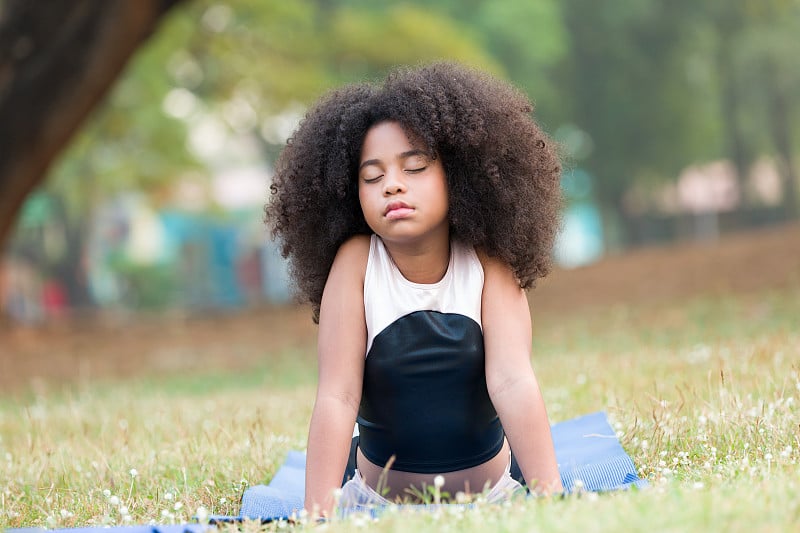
(580, 239)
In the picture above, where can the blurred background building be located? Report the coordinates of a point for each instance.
(677, 121)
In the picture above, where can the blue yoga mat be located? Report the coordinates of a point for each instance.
(587, 449)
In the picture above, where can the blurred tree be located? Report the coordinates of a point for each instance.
(628, 81)
(57, 60)
(247, 67)
(727, 19)
(128, 143)
(529, 39)
(760, 43)
(746, 62)
(258, 63)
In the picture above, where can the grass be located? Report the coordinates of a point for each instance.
(704, 395)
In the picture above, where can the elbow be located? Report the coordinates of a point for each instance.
(343, 401)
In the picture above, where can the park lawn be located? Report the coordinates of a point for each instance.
(703, 393)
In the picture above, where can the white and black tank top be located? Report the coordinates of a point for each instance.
(424, 399)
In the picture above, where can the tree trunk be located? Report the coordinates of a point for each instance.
(782, 139)
(57, 60)
(729, 99)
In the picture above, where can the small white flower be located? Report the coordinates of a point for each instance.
(168, 496)
(577, 484)
(223, 500)
(123, 510)
(438, 481)
(202, 514)
(113, 500)
(106, 493)
(134, 472)
(177, 506)
(65, 514)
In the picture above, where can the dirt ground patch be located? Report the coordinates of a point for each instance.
(737, 264)
(80, 349)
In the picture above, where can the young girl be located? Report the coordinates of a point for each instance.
(414, 213)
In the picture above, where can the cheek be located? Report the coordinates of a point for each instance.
(364, 201)
(443, 191)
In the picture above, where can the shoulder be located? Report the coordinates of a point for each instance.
(351, 257)
(495, 270)
(357, 245)
(505, 310)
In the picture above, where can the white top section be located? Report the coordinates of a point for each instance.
(388, 295)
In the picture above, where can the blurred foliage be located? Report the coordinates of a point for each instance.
(147, 287)
(635, 90)
(646, 80)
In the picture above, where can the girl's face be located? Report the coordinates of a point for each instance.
(401, 187)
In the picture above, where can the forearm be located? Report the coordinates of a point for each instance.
(524, 418)
(329, 437)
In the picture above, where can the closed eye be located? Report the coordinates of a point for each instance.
(415, 170)
(372, 180)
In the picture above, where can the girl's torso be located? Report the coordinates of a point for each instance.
(425, 409)
(392, 484)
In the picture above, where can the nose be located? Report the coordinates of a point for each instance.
(394, 183)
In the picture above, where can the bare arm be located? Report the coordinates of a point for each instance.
(341, 352)
(512, 384)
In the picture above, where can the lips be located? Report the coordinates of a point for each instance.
(397, 210)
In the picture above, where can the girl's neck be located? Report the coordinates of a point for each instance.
(421, 264)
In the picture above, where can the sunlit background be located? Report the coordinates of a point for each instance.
(678, 122)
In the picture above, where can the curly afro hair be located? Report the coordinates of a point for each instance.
(503, 172)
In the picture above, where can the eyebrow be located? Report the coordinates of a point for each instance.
(404, 155)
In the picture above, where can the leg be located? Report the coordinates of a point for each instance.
(350, 469)
(516, 471)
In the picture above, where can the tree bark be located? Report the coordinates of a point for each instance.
(779, 110)
(57, 61)
(729, 111)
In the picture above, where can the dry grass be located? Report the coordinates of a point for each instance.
(709, 414)
(703, 391)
